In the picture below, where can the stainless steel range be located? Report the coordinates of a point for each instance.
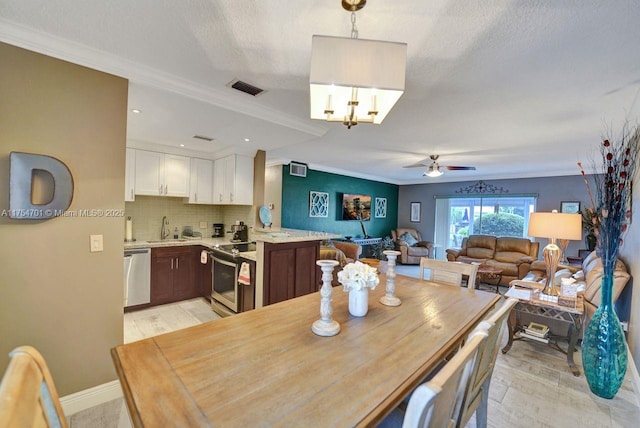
(228, 296)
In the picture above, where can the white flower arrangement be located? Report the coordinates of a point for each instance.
(357, 276)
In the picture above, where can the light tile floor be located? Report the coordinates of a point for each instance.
(531, 385)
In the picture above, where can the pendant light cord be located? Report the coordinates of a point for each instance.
(354, 29)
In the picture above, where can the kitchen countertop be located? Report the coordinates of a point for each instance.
(205, 242)
(280, 235)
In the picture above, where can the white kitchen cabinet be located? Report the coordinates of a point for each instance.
(176, 175)
(201, 185)
(130, 176)
(160, 174)
(233, 180)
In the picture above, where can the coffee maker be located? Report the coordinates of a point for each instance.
(240, 232)
(218, 230)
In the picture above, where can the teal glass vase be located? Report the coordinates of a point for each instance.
(604, 349)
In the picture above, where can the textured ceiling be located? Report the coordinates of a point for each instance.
(516, 88)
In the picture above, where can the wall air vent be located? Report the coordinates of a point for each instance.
(298, 169)
(203, 137)
(246, 88)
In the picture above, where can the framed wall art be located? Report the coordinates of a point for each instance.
(415, 212)
(318, 204)
(570, 207)
(381, 208)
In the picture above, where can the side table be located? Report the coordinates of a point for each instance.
(573, 317)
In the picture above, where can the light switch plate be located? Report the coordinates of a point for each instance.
(96, 243)
(203, 225)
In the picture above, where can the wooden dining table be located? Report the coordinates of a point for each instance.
(267, 368)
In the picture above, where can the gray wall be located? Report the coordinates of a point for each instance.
(550, 190)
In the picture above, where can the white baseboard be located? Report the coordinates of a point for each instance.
(82, 400)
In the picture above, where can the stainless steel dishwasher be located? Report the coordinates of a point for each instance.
(137, 276)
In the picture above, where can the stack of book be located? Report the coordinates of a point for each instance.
(537, 332)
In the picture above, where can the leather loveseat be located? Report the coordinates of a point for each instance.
(513, 255)
(592, 272)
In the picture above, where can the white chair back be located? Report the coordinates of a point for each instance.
(28, 397)
(477, 395)
(448, 272)
(438, 403)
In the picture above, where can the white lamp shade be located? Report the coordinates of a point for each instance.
(339, 64)
(555, 226)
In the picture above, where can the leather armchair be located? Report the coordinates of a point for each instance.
(410, 255)
(351, 250)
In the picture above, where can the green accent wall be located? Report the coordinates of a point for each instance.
(295, 203)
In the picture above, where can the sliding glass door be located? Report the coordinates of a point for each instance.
(458, 217)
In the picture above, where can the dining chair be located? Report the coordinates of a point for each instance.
(448, 272)
(438, 402)
(476, 397)
(28, 396)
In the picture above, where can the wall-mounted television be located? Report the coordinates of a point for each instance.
(356, 207)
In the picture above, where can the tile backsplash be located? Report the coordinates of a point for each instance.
(146, 213)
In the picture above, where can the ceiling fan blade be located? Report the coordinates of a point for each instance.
(460, 168)
(416, 165)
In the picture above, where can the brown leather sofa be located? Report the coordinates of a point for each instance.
(513, 255)
(592, 270)
(411, 254)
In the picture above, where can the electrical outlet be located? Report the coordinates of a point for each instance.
(96, 243)
(203, 225)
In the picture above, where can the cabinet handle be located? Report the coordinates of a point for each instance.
(161, 189)
(196, 196)
(171, 263)
(220, 197)
(231, 197)
(177, 263)
(131, 193)
(166, 189)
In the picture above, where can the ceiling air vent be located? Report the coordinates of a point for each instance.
(298, 169)
(203, 137)
(246, 88)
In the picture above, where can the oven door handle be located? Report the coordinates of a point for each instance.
(224, 262)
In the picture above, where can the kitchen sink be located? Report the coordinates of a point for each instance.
(158, 241)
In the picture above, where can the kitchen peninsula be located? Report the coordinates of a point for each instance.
(286, 263)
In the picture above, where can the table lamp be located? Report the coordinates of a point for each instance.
(554, 225)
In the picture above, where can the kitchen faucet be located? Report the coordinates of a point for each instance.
(164, 231)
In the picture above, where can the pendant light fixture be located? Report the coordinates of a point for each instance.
(355, 80)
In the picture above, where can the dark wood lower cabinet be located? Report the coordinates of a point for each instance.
(290, 270)
(173, 274)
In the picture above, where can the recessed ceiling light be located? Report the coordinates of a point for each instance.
(247, 140)
(136, 111)
(181, 145)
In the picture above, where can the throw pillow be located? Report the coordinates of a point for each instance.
(408, 239)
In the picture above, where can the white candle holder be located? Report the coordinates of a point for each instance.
(325, 326)
(389, 299)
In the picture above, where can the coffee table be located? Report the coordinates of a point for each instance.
(486, 272)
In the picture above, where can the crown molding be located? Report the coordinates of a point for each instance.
(77, 53)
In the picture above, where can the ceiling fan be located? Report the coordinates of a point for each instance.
(433, 169)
